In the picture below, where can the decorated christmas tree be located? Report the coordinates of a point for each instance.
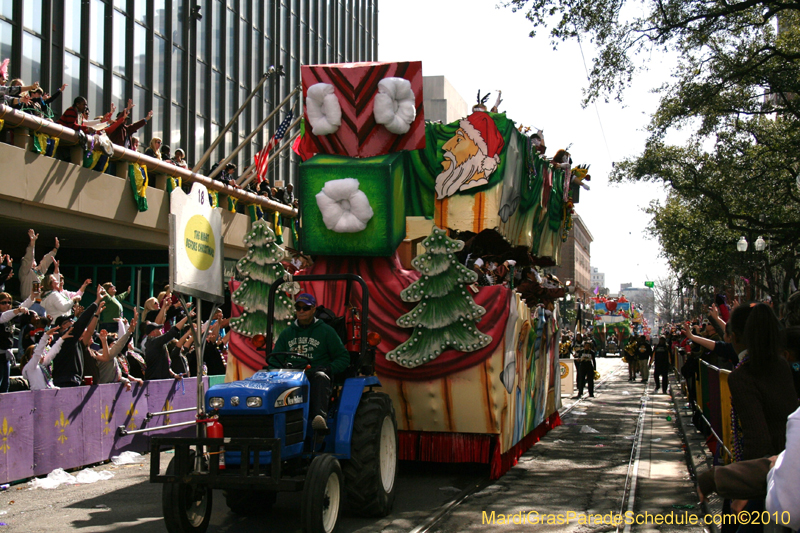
(261, 267)
(447, 314)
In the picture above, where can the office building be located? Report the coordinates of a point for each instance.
(192, 62)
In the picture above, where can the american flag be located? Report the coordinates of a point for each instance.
(262, 157)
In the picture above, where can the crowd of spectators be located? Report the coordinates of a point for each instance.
(50, 340)
(102, 131)
(761, 352)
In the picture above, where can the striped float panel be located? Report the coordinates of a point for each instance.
(355, 85)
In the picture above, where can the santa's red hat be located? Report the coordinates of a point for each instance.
(480, 127)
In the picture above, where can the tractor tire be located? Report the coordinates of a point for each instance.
(186, 508)
(370, 472)
(322, 495)
(247, 502)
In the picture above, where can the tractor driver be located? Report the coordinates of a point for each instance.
(328, 356)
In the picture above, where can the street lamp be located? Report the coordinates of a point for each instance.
(741, 245)
(760, 244)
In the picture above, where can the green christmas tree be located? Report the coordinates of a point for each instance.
(261, 267)
(447, 314)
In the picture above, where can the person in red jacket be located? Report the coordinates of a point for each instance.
(73, 116)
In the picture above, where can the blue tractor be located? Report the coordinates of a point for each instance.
(260, 441)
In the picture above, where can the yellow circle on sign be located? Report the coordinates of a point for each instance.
(199, 242)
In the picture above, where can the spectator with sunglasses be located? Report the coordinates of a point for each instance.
(326, 355)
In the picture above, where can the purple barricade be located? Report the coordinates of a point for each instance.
(16, 436)
(69, 428)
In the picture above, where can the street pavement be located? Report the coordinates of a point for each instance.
(575, 478)
(570, 470)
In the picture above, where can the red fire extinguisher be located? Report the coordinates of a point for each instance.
(214, 431)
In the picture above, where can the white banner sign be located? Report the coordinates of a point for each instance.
(567, 367)
(196, 245)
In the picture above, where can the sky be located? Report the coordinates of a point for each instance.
(476, 45)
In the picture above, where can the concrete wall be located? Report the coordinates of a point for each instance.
(442, 102)
(60, 194)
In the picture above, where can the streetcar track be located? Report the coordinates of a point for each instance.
(446, 509)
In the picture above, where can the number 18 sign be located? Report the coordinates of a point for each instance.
(196, 253)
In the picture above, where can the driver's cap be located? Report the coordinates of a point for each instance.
(307, 299)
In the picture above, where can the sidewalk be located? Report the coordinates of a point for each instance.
(580, 469)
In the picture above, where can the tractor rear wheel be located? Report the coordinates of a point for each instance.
(370, 472)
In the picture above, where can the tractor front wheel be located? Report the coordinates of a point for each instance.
(322, 495)
(187, 508)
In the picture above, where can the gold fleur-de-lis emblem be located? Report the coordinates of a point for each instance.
(62, 424)
(106, 416)
(132, 412)
(167, 407)
(6, 432)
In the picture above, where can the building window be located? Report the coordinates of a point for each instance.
(176, 121)
(159, 113)
(140, 12)
(5, 39)
(200, 89)
(230, 44)
(95, 95)
(159, 17)
(179, 14)
(31, 58)
(159, 58)
(216, 93)
(120, 43)
(7, 9)
(118, 94)
(199, 138)
(97, 34)
(72, 25)
(140, 54)
(140, 101)
(217, 36)
(177, 73)
(72, 77)
(32, 15)
(200, 25)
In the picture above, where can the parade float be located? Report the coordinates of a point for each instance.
(613, 321)
(409, 205)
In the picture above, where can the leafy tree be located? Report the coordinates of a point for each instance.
(667, 297)
(734, 89)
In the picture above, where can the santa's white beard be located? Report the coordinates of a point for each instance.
(456, 177)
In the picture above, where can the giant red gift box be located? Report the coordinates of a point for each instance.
(356, 84)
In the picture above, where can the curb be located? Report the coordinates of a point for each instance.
(698, 458)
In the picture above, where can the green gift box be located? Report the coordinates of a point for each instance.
(380, 179)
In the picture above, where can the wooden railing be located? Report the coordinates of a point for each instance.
(18, 119)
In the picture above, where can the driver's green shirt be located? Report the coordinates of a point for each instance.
(317, 339)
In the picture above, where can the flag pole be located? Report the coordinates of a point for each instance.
(255, 132)
(277, 152)
(207, 154)
(252, 171)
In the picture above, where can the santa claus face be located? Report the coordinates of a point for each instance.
(463, 168)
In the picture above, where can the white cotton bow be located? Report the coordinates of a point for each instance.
(344, 208)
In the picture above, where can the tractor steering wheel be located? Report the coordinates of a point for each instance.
(282, 358)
